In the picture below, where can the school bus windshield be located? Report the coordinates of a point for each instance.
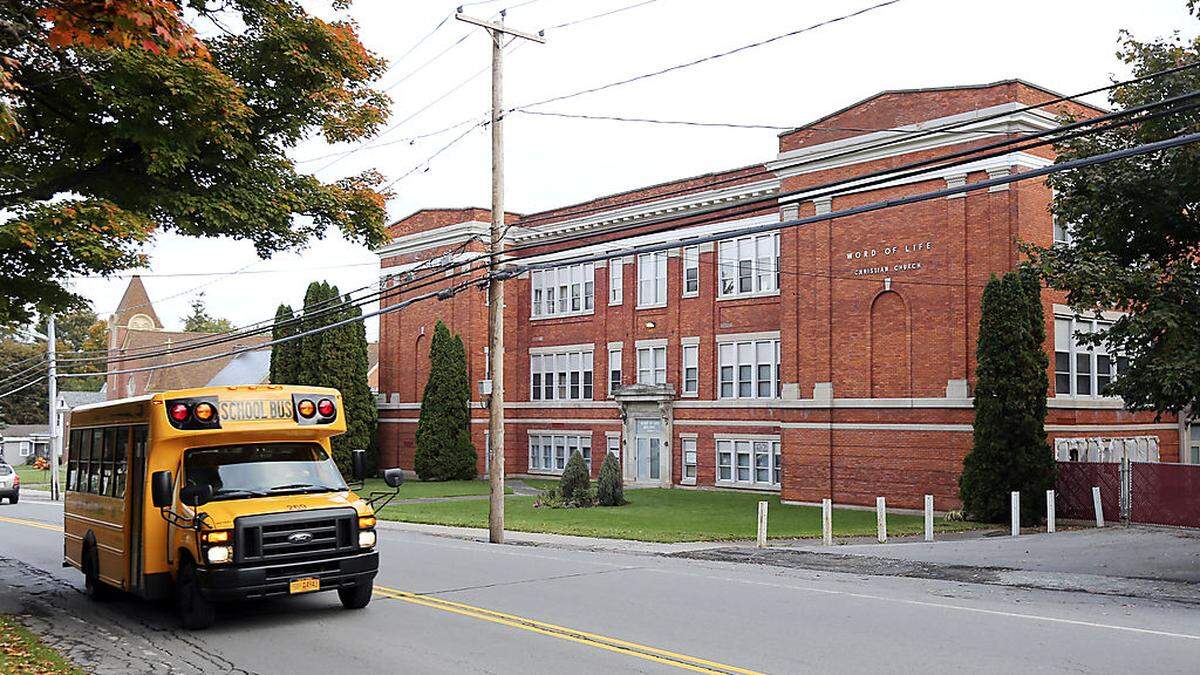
(262, 469)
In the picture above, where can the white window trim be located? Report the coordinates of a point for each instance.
(558, 432)
(580, 349)
(755, 272)
(584, 279)
(608, 438)
(613, 348)
(753, 338)
(617, 264)
(733, 482)
(666, 280)
(652, 346)
(1094, 375)
(684, 345)
(692, 252)
(683, 477)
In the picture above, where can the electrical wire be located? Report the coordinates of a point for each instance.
(445, 293)
(706, 59)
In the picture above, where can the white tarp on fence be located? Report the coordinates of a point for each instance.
(1107, 449)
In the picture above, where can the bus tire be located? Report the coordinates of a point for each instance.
(93, 587)
(357, 596)
(195, 611)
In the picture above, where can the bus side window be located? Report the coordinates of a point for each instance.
(119, 463)
(93, 484)
(73, 459)
(106, 469)
(85, 452)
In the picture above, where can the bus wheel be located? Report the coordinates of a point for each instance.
(195, 611)
(356, 597)
(94, 588)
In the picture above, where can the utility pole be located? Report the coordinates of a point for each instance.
(52, 394)
(497, 31)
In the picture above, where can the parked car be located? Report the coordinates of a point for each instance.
(10, 483)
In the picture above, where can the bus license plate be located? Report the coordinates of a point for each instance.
(304, 585)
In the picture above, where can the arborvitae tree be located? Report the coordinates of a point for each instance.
(610, 486)
(308, 360)
(444, 450)
(574, 486)
(1010, 452)
(284, 355)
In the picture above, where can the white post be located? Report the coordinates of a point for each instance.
(881, 519)
(827, 522)
(1096, 505)
(1016, 514)
(1049, 510)
(762, 524)
(928, 517)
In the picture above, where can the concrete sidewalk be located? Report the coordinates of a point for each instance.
(1140, 562)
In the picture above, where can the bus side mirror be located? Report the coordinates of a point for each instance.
(195, 495)
(393, 477)
(358, 464)
(160, 489)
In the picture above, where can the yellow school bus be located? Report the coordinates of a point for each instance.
(217, 494)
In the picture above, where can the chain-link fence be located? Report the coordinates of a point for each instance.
(1073, 490)
(1164, 494)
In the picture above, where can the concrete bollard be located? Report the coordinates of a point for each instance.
(762, 524)
(928, 517)
(881, 519)
(827, 522)
(1049, 510)
(1098, 506)
(1016, 514)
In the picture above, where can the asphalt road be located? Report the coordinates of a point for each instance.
(454, 606)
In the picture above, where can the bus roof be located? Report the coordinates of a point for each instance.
(205, 391)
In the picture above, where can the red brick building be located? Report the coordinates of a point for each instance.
(834, 359)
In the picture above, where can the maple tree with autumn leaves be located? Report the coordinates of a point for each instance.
(120, 118)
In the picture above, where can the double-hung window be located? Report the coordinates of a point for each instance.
(614, 369)
(1081, 369)
(652, 365)
(748, 368)
(652, 279)
(561, 375)
(687, 448)
(616, 281)
(690, 367)
(749, 462)
(562, 291)
(749, 265)
(691, 271)
(549, 451)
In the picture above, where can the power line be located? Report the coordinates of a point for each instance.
(919, 167)
(445, 293)
(705, 59)
(729, 125)
(584, 209)
(568, 24)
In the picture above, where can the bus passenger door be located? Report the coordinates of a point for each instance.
(137, 502)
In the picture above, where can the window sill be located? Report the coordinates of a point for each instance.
(748, 296)
(687, 481)
(744, 486)
(544, 472)
(690, 395)
(749, 398)
(569, 315)
(661, 305)
(691, 295)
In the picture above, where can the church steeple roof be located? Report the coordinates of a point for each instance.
(135, 301)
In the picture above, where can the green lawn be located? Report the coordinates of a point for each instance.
(22, 652)
(664, 515)
(31, 476)
(540, 483)
(416, 489)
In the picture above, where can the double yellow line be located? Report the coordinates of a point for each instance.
(654, 654)
(661, 656)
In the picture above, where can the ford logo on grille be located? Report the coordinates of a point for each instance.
(300, 537)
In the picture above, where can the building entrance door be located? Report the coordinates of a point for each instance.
(647, 445)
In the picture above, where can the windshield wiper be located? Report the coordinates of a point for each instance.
(236, 493)
(305, 487)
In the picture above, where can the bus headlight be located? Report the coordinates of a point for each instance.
(219, 554)
(366, 539)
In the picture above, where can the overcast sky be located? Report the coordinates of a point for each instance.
(1064, 45)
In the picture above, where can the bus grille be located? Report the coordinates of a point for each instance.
(300, 535)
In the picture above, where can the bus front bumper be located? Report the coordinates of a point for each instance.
(227, 583)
